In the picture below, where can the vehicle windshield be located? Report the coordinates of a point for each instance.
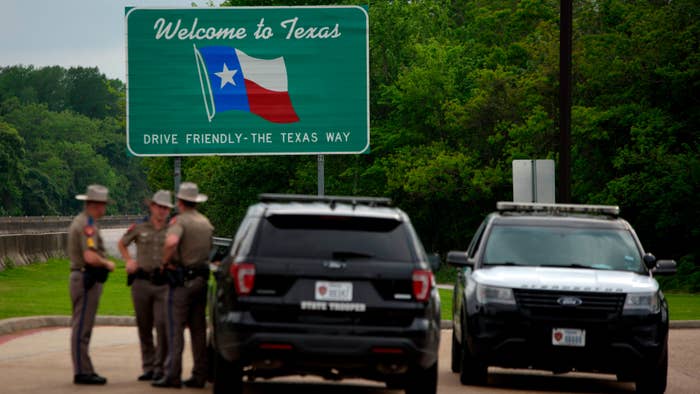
(342, 238)
(596, 248)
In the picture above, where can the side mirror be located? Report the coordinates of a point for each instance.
(220, 248)
(458, 258)
(434, 260)
(649, 260)
(664, 267)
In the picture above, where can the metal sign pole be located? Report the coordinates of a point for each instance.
(321, 175)
(177, 173)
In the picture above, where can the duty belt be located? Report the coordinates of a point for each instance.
(195, 271)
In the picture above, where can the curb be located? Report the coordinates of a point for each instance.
(12, 325)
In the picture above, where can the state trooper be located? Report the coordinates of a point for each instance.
(186, 261)
(148, 285)
(89, 270)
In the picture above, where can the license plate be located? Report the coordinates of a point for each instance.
(333, 291)
(568, 337)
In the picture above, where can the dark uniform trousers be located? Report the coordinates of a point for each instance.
(84, 311)
(186, 305)
(149, 305)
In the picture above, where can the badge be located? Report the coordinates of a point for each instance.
(89, 230)
(173, 220)
(90, 243)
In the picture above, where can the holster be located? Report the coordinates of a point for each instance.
(175, 277)
(194, 272)
(158, 277)
(92, 275)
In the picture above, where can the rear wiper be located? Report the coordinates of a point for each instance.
(343, 255)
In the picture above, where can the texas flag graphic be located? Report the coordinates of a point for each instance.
(232, 80)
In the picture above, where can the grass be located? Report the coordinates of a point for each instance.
(445, 304)
(42, 289)
(683, 306)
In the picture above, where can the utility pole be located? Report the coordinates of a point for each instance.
(565, 23)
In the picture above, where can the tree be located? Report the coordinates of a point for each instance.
(11, 176)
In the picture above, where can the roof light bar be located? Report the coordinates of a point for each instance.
(508, 206)
(354, 200)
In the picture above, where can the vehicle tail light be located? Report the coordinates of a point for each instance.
(387, 350)
(423, 282)
(243, 275)
(275, 346)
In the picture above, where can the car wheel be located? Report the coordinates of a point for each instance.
(423, 381)
(456, 353)
(472, 371)
(228, 376)
(654, 380)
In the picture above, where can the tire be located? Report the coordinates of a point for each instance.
(228, 376)
(456, 354)
(655, 379)
(423, 381)
(472, 371)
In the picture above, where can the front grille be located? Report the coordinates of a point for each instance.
(540, 303)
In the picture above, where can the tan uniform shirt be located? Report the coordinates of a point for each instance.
(149, 244)
(83, 234)
(195, 232)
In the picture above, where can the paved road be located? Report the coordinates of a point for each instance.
(39, 361)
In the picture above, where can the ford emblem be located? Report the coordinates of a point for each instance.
(569, 301)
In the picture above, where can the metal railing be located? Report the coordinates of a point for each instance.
(56, 224)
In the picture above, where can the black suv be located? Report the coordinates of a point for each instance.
(561, 288)
(332, 286)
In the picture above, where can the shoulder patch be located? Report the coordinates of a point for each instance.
(133, 225)
(173, 220)
(89, 230)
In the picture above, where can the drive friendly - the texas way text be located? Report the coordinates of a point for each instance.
(247, 138)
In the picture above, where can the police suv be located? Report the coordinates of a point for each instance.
(333, 286)
(561, 288)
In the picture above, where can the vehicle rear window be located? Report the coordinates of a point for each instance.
(598, 248)
(342, 238)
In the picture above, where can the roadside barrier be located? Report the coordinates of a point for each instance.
(31, 239)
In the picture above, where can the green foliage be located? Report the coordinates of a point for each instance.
(61, 130)
(11, 169)
(686, 279)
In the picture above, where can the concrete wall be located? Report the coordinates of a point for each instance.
(26, 240)
(22, 249)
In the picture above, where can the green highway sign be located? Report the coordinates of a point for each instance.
(247, 81)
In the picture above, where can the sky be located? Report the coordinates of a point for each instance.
(69, 33)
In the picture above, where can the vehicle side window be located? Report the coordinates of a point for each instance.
(476, 240)
(241, 236)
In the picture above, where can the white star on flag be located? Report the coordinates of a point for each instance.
(226, 76)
